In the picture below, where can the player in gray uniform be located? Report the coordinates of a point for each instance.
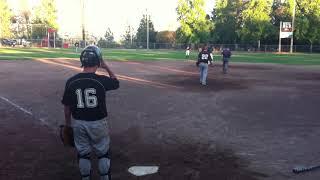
(203, 59)
(84, 100)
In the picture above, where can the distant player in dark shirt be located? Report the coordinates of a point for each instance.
(226, 54)
(84, 99)
(77, 46)
(203, 59)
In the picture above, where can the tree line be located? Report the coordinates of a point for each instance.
(229, 22)
(27, 23)
(247, 21)
(252, 22)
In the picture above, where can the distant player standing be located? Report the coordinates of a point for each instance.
(226, 54)
(203, 59)
(187, 52)
(77, 46)
(84, 99)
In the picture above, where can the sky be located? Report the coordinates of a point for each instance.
(114, 14)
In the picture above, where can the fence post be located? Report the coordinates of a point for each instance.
(265, 48)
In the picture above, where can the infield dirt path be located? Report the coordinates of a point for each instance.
(255, 123)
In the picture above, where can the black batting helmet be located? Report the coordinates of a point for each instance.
(90, 56)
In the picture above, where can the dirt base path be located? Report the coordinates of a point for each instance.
(256, 122)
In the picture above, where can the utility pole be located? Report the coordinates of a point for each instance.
(293, 19)
(48, 34)
(82, 22)
(147, 28)
(130, 29)
(279, 48)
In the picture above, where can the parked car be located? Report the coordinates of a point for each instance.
(8, 42)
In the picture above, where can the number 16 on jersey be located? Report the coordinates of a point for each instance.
(89, 97)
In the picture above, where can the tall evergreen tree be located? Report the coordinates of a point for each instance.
(142, 31)
(109, 36)
(128, 35)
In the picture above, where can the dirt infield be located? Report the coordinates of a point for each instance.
(257, 122)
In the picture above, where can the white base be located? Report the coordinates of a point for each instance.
(143, 170)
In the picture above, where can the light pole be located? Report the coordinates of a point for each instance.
(82, 22)
(130, 29)
(279, 48)
(147, 28)
(293, 18)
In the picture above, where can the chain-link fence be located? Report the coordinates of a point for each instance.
(216, 47)
(268, 48)
(71, 43)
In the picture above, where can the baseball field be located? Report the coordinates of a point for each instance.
(256, 122)
(151, 55)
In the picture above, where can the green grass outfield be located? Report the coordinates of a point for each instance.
(148, 55)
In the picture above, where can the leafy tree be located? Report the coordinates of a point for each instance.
(25, 13)
(281, 11)
(256, 21)
(5, 19)
(141, 34)
(307, 25)
(48, 12)
(166, 37)
(45, 17)
(180, 37)
(227, 20)
(18, 26)
(194, 24)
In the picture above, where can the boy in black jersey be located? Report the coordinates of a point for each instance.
(84, 100)
(226, 54)
(203, 59)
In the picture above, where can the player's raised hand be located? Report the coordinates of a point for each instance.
(106, 67)
(103, 64)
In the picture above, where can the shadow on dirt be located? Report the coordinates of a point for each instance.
(306, 76)
(218, 67)
(249, 67)
(176, 159)
(191, 83)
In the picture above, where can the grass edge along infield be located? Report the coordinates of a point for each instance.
(164, 55)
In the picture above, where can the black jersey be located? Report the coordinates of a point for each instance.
(226, 53)
(204, 56)
(85, 95)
